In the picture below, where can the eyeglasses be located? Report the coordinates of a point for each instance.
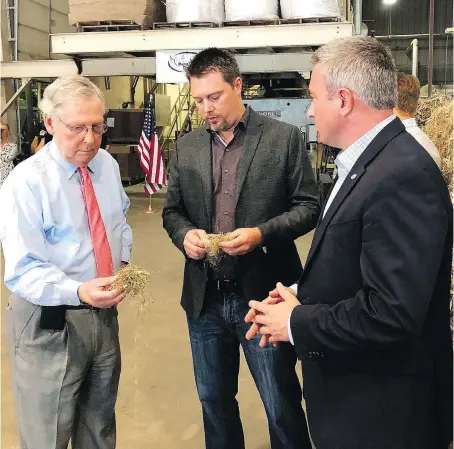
(78, 129)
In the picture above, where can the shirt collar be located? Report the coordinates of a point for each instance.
(346, 159)
(409, 122)
(67, 166)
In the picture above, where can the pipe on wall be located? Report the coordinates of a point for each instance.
(414, 59)
(358, 12)
(430, 64)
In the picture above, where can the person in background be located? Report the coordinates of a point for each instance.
(407, 104)
(41, 139)
(8, 151)
(105, 142)
(64, 233)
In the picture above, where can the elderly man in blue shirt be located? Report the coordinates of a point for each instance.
(64, 233)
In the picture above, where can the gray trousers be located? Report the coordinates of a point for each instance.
(65, 382)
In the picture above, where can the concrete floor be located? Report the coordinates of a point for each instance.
(157, 405)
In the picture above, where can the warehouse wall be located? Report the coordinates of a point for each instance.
(119, 91)
(36, 20)
(412, 17)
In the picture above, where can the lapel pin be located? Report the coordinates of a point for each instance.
(354, 176)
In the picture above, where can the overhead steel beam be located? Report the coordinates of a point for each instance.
(306, 35)
(270, 63)
(39, 68)
(119, 67)
(275, 63)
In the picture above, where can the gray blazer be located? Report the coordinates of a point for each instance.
(276, 191)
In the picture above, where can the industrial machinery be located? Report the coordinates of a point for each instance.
(293, 111)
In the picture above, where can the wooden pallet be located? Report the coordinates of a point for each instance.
(310, 20)
(281, 21)
(240, 23)
(165, 25)
(265, 22)
(108, 25)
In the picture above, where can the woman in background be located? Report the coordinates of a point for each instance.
(8, 151)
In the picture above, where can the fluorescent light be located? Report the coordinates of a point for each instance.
(389, 2)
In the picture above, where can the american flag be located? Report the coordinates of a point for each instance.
(150, 154)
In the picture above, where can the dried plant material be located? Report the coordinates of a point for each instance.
(439, 126)
(133, 280)
(440, 129)
(214, 252)
(426, 107)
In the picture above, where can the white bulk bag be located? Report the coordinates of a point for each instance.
(304, 9)
(250, 10)
(195, 11)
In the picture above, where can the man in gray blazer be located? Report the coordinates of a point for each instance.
(250, 176)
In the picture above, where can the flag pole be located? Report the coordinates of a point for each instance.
(150, 210)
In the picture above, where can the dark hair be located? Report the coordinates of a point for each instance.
(407, 93)
(214, 60)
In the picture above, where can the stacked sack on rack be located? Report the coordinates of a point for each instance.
(195, 11)
(244, 10)
(237, 10)
(305, 9)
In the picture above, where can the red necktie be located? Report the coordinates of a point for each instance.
(101, 247)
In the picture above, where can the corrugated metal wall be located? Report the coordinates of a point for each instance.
(412, 17)
(407, 16)
(37, 19)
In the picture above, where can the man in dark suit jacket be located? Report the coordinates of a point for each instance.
(250, 176)
(371, 318)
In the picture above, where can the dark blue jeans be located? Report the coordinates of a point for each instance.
(215, 339)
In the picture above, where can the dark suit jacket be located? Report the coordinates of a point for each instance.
(275, 191)
(373, 331)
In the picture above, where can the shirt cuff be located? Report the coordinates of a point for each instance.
(294, 287)
(125, 254)
(68, 292)
(290, 336)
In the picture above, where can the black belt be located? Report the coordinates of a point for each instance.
(225, 285)
(82, 307)
(54, 317)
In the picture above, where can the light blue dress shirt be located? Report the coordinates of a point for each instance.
(44, 226)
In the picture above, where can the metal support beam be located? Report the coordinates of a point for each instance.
(39, 69)
(299, 35)
(25, 81)
(250, 63)
(358, 12)
(430, 63)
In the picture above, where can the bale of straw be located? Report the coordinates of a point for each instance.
(214, 252)
(439, 126)
(426, 106)
(440, 129)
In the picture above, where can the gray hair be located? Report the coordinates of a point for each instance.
(362, 65)
(65, 89)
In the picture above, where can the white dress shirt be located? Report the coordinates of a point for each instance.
(345, 161)
(413, 129)
(44, 225)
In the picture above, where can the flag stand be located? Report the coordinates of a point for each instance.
(150, 210)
